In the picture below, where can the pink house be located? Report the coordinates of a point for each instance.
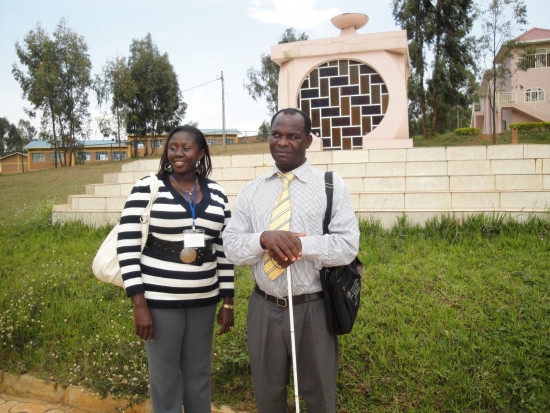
(525, 97)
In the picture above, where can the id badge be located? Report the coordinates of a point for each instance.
(193, 238)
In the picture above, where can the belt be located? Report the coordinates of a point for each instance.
(173, 251)
(283, 301)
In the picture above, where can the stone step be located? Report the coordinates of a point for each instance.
(388, 219)
(503, 182)
(109, 189)
(532, 200)
(423, 182)
(64, 213)
(424, 154)
(379, 170)
(387, 216)
(142, 165)
(488, 200)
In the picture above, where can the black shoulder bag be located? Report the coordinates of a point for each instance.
(342, 284)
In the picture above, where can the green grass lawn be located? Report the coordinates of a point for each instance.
(455, 317)
(450, 139)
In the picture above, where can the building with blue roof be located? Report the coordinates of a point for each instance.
(41, 154)
(154, 144)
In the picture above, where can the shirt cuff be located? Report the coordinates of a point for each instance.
(308, 245)
(255, 245)
(310, 251)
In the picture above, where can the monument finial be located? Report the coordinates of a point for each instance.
(348, 23)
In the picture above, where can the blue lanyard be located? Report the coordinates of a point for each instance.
(192, 205)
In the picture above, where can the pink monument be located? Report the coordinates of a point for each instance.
(353, 86)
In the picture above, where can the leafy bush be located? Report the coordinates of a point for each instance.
(531, 126)
(467, 131)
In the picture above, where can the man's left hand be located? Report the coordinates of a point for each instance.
(284, 247)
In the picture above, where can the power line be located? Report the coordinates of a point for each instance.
(194, 87)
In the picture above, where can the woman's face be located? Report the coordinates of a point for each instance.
(183, 153)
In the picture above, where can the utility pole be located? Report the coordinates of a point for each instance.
(223, 113)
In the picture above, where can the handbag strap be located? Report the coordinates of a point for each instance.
(154, 188)
(144, 218)
(329, 187)
(154, 191)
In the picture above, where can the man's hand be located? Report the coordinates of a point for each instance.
(284, 247)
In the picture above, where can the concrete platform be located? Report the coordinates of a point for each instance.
(417, 182)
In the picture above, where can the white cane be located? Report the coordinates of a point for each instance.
(292, 340)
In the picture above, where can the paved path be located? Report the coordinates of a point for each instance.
(18, 404)
(26, 394)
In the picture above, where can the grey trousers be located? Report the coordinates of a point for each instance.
(179, 359)
(269, 351)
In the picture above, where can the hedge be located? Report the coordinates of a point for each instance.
(467, 131)
(531, 126)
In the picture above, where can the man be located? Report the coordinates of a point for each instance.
(252, 239)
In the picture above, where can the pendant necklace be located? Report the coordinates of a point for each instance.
(188, 254)
(180, 187)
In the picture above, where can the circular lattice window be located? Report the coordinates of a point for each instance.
(345, 99)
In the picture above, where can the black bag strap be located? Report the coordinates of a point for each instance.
(329, 187)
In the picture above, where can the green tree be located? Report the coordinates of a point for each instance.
(501, 19)
(114, 87)
(454, 62)
(4, 128)
(157, 104)
(74, 82)
(26, 130)
(14, 142)
(263, 131)
(40, 82)
(451, 101)
(413, 16)
(441, 27)
(11, 137)
(264, 83)
(55, 79)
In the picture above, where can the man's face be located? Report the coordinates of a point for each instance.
(288, 141)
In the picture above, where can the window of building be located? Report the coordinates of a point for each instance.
(157, 143)
(117, 156)
(211, 141)
(52, 157)
(541, 58)
(102, 156)
(534, 94)
(38, 157)
(84, 156)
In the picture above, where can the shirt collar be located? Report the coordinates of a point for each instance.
(302, 172)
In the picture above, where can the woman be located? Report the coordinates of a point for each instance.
(176, 283)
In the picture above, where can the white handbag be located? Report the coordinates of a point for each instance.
(105, 265)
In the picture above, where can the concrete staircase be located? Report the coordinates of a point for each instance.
(385, 183)
(515, 100)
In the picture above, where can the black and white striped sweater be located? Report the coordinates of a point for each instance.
(168, 284)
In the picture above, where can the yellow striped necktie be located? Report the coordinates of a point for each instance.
(280, 221)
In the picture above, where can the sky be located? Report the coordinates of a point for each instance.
(202, 39)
